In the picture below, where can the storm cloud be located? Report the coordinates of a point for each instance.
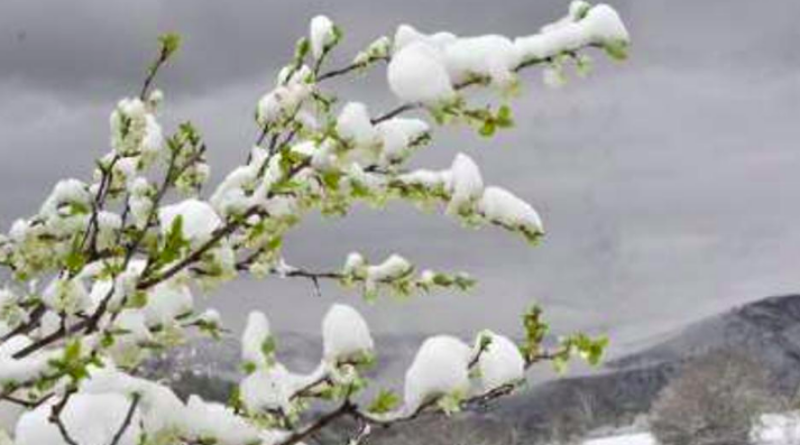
(668, 184)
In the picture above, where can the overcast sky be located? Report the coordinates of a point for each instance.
(669, 184)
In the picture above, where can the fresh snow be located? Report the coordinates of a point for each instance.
(199, 219)
(353, 264)
(603, 24)
(66, 295)
(322, 34)
(397, 135)
(384, 143)
(600, 26)
(153, 135)
(68, 191)
(501, 363)
(267, 389)
(427, 68)
(429, 179)
(91, 419)
(230, 196)
(16, 370)
(491, 55)
(417, 74)
(345, 334)
(354, 125)
(286, 98)
(393, 267)
(439, 368)
(627, 439)
(407, 34)
(773, 429)
(503, 207)
(779, 429)
(207, 419)
(256, 332)
(167, 301)
(466, 183)
(160, 411)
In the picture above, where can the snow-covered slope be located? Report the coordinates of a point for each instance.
(624, 439)
(774, 429)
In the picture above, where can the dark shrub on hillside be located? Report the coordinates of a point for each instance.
(717, 400)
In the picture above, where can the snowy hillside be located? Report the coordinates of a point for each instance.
(775, 429)
(624, 439)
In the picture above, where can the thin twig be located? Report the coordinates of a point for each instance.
(55, 417)
(126, 423)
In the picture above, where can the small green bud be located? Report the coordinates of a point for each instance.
(170, 43)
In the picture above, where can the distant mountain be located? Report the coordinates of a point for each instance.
(210, 368)
(767, 330)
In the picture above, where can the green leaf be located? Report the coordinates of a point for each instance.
(442, 280)
(451, 403)
(235, 399)
(617, 49)
(331, 179)
(560, 364)
(268, 347)
(582, 12)
(338, 34)
(302, 49)
(583, 65)
(138, 300)
(504, 117)
(108, 340)
(485, 342)
(371, 294)
(78, 208)
(384, 402)
(464, 282)
(174, 242)
(274, 243)
(75, 259)
(535, 331)
(487, 129)
(249, 368)
(72, 352)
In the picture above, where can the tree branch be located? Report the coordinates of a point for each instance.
(55, 417)
(126, 423)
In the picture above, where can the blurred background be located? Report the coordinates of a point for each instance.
(668, 184)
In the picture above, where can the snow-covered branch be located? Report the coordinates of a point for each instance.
(107, 270)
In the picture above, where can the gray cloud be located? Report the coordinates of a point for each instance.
(668, 183)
